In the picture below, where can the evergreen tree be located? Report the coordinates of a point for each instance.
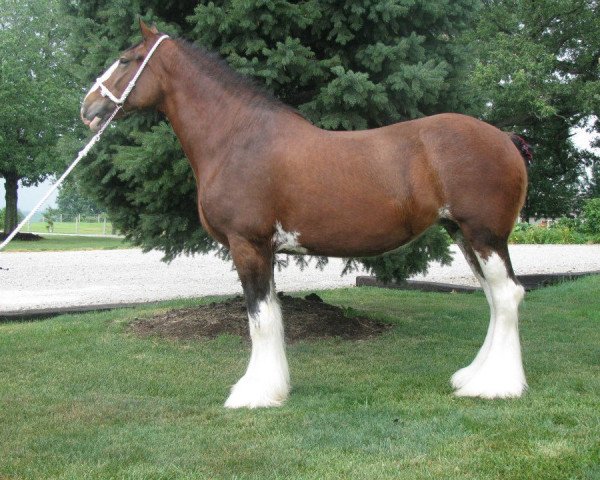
(344, 65)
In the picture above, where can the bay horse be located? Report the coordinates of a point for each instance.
(269, 181)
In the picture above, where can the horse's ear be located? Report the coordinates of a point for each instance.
(147, 32)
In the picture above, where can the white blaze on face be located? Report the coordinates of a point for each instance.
(103, 78)
(287, 241)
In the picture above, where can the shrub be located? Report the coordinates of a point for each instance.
(585, 229)
(562, 232)
(591, 217)
(574, 224)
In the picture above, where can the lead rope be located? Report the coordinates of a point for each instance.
(85, 150)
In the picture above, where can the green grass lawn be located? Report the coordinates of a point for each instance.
(82, 399)
(90, 228)
(66, 242)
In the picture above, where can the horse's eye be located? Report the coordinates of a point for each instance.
(123, 61)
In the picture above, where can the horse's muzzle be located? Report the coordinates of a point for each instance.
(93, 117)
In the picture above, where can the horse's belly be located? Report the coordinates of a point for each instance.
(360, 234)
(352, 245)
(364, 212)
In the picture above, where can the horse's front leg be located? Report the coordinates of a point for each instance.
(266, 381)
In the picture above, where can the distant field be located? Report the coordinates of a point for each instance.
(67, 242)
(84, 228)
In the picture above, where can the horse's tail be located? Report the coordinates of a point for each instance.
(523, 147)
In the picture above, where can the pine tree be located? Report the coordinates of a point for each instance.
(344, 65)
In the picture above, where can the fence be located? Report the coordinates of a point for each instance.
(74, 225)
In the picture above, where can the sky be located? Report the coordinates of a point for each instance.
(28, 197)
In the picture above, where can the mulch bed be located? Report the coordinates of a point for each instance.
(306, 318)
(24, 237)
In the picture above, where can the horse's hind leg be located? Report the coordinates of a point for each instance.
(266, 381)
(497, 371)
(463, 375)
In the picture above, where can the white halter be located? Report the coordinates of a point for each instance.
(105, 92)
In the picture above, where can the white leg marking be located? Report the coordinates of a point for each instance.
(465, 374)
(287, 241)
(499, 372)
(266, 382)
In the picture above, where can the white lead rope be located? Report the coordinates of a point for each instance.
(84, 151)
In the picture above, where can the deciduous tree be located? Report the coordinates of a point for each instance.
(38, 99)
(537, 72)
(71, 201)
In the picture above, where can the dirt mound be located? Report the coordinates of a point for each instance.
(24, 237)
(308, 318)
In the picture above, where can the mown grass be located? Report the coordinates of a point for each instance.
(66, 242)
(83, 399)
(90, 228)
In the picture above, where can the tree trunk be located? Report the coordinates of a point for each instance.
(11, 185)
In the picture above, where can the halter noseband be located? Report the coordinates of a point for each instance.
(105, 92)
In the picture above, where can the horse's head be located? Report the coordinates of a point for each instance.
(98, 105)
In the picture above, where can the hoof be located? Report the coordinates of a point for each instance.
(252, 393)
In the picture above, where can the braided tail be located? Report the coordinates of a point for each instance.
(523, 147)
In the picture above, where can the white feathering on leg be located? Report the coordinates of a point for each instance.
(463, 375)
(500, 374)
(266, 382)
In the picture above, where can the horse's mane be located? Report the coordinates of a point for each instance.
(218, 69)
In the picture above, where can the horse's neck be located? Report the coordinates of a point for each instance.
(207, 118)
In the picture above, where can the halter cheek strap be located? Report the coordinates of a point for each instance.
(105, 92)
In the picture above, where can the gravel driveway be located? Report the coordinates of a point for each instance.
(46, 280)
